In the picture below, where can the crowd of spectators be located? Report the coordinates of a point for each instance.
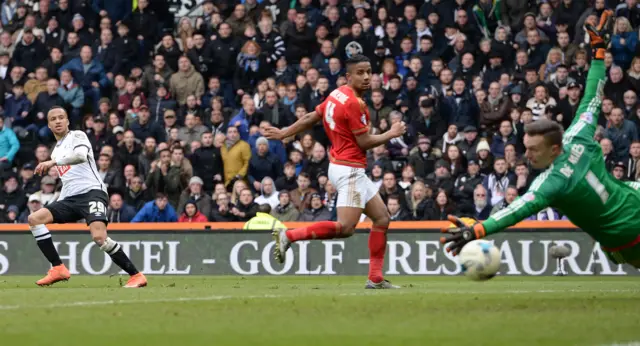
(175, 108)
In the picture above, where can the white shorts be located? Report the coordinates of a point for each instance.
(354, 188)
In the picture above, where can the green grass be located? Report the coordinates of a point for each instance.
(326, 311)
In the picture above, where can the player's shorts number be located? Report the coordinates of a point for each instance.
(96, 207)
(328, 114)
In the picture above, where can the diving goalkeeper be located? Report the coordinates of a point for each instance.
(576, 181)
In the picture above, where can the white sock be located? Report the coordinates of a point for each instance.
(110, 246)
(40, 232)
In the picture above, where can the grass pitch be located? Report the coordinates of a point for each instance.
(323, 311)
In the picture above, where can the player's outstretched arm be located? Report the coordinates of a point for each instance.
(368, 141)
(589, 108)
(305, 123)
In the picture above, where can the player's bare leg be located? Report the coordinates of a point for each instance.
(348, 218)
(114, 250)
(379, 215)
(58, 271)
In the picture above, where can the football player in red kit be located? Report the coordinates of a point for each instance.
(346, 121)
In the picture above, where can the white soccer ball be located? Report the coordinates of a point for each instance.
(480, 260)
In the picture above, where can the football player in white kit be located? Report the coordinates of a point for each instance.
(83, 196)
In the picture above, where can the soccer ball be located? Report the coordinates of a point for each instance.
(480, 260)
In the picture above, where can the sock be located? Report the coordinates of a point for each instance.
(114, 250)
(45, 243)
(377, 248)
(319, 230)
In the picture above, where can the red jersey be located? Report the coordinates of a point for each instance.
(345, 116)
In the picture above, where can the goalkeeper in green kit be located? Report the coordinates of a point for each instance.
(576, 181)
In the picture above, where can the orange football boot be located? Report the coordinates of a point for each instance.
(136, 281)
(55, 274)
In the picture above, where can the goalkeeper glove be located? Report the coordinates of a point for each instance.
(600, 36)
(460, 235)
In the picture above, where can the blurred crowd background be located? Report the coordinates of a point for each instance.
(175, 105)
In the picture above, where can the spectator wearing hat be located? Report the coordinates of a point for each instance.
(263, 164)
(10, 215)
(495, 68)
(494, 109)
(28, 181)
(569, 105)
(30, 52)
(316, 211)
(12, 194)
(118, 211)
(285, 211)
(47, 193)
(621, 132)
(195, 193)
(468, 145)
(144, 128)
(191, 213)
(89, 73)
(427, 122)
(117, 135)
(158, 210)
(441, 177)
(155, 75)
(72, 95)
(466, 183)
(79, 26)
(33, 205)
(421, 158)
(619, 171)
(187, 81)
(268, 193)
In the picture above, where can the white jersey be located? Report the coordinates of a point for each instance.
(80, 178)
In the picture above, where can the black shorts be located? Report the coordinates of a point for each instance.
(90, 206)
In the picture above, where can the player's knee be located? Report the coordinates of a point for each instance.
(346, 230)
(99, 239)
(31, 219)
(383, 220)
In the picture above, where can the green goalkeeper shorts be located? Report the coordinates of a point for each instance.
(624, 254)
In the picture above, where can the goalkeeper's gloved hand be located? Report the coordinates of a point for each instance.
(460, 235)
(600, 36)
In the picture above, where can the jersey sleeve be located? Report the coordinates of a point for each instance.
(80, 139)
(583, 126)
(356, 117)
(321, 107)
(540, 195)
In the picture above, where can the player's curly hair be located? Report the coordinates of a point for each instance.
(550, 130)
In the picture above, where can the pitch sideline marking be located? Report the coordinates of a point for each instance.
(276, 296)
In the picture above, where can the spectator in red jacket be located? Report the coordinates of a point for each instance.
(191, 213)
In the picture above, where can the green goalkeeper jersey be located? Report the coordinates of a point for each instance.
(578, 184)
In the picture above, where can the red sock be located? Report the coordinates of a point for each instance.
(319, 230)
(377, 248)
